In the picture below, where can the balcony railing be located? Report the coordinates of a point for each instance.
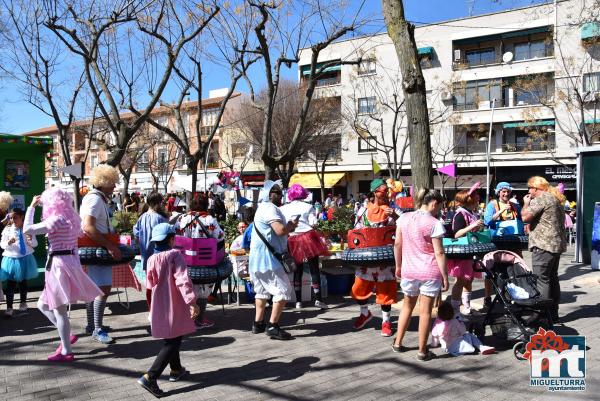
(482, 105)
(472, 148)
(464, 63)
(528, 147)
(328, 81)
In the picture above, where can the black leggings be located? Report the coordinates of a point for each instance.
(11, 287)
(315, 278)
(168, 355)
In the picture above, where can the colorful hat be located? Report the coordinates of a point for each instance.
(502, 185)
(376, 183)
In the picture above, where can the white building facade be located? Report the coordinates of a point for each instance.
(533, 73)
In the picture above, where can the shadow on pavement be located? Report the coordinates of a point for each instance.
(257, 370)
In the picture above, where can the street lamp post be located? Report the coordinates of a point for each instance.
(489, 155)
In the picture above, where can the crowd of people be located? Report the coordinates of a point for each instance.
(271, 231)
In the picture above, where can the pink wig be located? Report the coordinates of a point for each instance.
(296, 192)
(58, 202)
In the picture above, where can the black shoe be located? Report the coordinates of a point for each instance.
(258, 327)
(277, 333)
(151, 386)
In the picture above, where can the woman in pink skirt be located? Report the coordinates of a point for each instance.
(465, 220)
(305, 244)
(65, 281)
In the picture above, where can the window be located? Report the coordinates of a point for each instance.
(532, 49)
(143, 164)
(161, 157)
(239, 149)
(477, 94)
(591, 82)
(367, 67)
(367, 145)
(481, 56)
(366, 105)
(529, 139)
(93, 161)
(206, 130)
(53, 167)
(180, 159)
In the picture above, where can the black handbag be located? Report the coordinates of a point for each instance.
(286, 260)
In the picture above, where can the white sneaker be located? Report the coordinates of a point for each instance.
(298, 305)
(23, 307)
(486, 350)
(466, 310)
(321, 305)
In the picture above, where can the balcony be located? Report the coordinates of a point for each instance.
(528, 44)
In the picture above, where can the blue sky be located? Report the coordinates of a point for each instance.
(17, 116)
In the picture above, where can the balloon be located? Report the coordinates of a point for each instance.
(561, 187)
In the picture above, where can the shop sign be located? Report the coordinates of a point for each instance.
(560, 173)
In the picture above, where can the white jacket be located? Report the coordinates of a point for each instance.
(12, 250)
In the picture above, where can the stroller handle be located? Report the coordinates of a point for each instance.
(478, 265)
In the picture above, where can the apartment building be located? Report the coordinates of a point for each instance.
(156, 160)
(513, 76)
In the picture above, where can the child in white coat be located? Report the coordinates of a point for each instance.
(18, 264)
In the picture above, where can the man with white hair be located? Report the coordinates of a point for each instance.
(95, 221)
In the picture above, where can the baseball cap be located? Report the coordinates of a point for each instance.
(160, 232)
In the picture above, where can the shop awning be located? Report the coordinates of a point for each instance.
(319, 67)
(592, 121)
(425, 51)
(528, 124)
(311, 180)
(590, 30)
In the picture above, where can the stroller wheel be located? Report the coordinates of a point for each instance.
(519, 350)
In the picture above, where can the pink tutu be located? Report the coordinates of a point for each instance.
(67, 283)
(307, 245)
(462, 269)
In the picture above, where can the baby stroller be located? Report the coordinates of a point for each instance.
(510, 275)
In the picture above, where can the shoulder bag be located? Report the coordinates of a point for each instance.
(286, 260)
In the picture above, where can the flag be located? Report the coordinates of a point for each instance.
(244, 201)
(375, 165)
(448, 169)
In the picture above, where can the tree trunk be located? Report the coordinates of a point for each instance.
(269, 172)
(76, 193)
(193, 168)
(126, 179)
(413, 86)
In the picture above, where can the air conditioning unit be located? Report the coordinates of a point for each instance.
(446, 96)
(457, 55)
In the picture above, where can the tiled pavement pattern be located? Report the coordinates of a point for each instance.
(326, 360)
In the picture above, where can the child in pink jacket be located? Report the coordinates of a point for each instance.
(449, 332)
(173, 306)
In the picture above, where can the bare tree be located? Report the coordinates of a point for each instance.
(380, 122)
(36, 62)
(321, 120)
(413, 85)
(127, 47)
(279, 41)
(195, 130)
